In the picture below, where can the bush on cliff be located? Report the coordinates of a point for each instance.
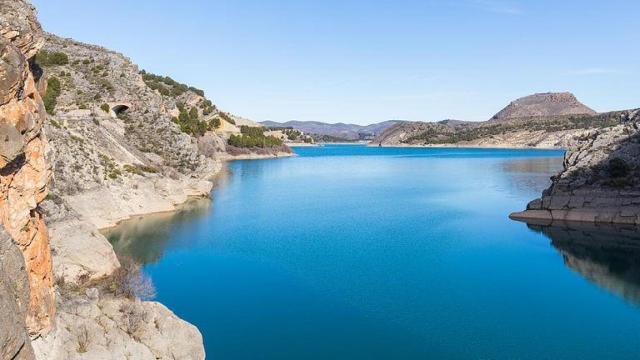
(46, 58)
(129, 281)
(50, 97)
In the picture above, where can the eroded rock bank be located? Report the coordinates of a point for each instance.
(600, 182)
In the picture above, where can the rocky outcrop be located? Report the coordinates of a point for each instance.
(23, 170)
(601, 179)
(14, 299)
(545, 104)
(93, 327)
(81, 252)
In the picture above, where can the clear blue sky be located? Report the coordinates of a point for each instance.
(365, 61)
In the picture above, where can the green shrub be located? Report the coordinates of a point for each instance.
(50, 98)
(214, 123)
(56, 124)
(253, 137)
(140, 169)
(189, 121)
(115, 173)
(105, 108)
(45, 58)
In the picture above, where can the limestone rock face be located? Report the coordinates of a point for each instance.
(96, 328)
(14, 299)
(80, 252)
(601, 178)
(23, 170)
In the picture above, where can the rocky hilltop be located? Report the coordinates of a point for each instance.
(545, 104)
(549, 120)
(599, 182)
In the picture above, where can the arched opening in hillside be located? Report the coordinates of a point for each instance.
(120, 109)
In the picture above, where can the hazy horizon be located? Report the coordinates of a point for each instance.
(363, 62)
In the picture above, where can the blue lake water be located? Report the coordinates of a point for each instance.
(351, 252)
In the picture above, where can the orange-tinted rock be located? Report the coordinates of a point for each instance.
(24, 172)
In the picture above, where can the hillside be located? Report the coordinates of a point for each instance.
(121, 142)
(544, 105)
(548, 120)
(325, 132)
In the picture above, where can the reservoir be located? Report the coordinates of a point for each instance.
(354, 252)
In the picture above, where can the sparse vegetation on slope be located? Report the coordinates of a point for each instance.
(46, 58)
(439, 134)
(191, 123)
(167, 86)
(253, 137)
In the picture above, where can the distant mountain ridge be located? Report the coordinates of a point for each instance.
(544, 120)
(342, 131)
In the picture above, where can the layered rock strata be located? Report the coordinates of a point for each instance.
(600, 182)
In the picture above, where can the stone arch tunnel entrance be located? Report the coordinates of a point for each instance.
(120, 108)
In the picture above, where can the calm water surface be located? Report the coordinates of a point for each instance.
(349, 252)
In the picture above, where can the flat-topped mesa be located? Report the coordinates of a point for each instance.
(24, 173)
(600, 182)
(544, 104)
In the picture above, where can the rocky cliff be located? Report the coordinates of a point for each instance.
(14, 299)
(600, 180)
(23, 178)
(549, 120)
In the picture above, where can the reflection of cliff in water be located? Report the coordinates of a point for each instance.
(608, 256)
(145, 238)
(530, 175)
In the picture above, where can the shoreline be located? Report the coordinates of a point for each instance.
(604, 216)
(254, 156)
(462, 146)
(194, 197)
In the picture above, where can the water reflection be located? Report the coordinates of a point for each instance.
(530, 174)
(608, 256)
(146, 238)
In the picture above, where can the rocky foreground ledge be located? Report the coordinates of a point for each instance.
(600, 182)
